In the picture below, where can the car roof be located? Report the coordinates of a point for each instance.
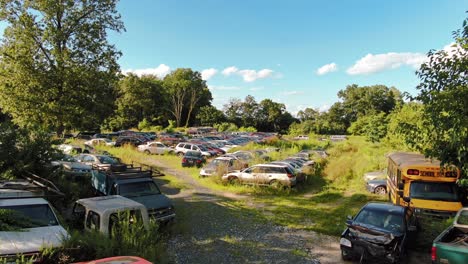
(111, 203)
(22, 201)
(270, 165)
(385, 207)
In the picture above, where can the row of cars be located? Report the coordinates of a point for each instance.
(118, 187)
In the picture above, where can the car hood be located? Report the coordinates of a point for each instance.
(152, 201)
(376, 241)
(31, 239)
(75, 165)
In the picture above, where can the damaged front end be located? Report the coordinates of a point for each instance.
(375, 244)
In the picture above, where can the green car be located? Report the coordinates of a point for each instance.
(451, 246)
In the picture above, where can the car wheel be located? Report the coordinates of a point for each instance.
(147, 152)
(381, 190)
(345, 255)
(276, 184)
(180, 154)
(234, 180)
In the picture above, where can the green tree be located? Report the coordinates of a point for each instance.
(138, 98)
(187, 92)
(57, 68)
(210, 115)
(373, 126)
(405, 125)
(444, 92)
(308, 114)
(359, 101)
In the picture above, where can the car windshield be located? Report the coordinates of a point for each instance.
(139, 188)
(202, 148)
(219, 162)
(380, 219)
(434, 191)
(463, 218)
(31, 215)
(69, 158)
(107, 160)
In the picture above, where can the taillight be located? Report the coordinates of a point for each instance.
(434, 253)
(290, 175)
(412, 172)
(199, 161)
(184, 160)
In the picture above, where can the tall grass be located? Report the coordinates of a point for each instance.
(129, 238)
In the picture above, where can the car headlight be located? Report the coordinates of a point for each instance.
(345, 242)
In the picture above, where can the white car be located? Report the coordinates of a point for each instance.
(184, 147)
(263, 174)
(221, 165)
(100, 141)
(39, 227)
(154, 147)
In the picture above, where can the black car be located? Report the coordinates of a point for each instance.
(193, 158)
(380, 232)
(134, 141)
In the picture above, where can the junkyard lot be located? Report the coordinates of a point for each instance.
(218, 225)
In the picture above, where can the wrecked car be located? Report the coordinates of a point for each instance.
(379, 232)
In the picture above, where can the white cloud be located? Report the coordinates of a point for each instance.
(253, 89)
(324, 108)
(208, 73)
(248, 75)
(452, 49)
(224, 88)
(230, 70)
(252, 75)
(327, 68)
(160, 71)
(380, 62)
(292, 93)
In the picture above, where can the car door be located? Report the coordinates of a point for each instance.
(257, 176)
(160, 148)
(152, 148)
(247, 175)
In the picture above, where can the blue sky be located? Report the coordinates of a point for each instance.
(274, 49)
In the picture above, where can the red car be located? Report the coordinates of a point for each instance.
(120, 260)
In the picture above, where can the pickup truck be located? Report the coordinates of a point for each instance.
(28, 225)
(451, 246)
(137, 185)
(102, 213)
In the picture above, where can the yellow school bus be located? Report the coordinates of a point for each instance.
(430, 189)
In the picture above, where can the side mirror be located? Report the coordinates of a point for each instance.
(349, 217)
(401, 185)
(406, 199)
(349, 222)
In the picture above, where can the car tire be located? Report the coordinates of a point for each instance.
(345, 255)
(276, 184)
(180, 154)
(147, 152)
(234, 180)
(381, 190)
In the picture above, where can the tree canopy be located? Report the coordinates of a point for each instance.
(444, 92)
(57, 68)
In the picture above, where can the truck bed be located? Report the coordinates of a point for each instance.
(455, 236)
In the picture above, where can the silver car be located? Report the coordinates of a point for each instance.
(154, 147)
(263, 174)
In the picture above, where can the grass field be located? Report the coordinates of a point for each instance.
(334, 191)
